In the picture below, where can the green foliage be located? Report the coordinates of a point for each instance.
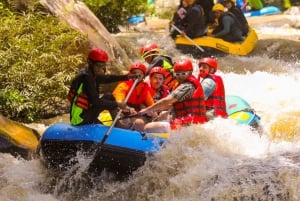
(21, 5)
(38, 58)
(115, 13)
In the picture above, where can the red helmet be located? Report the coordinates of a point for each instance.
(209, 61)
(157, 69)
(138, 65)
(97, 54)
(183, 65)
(149, 48)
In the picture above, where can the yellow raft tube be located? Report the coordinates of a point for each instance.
(237, 48)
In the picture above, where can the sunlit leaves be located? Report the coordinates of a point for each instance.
(38, 57)
(116, 12)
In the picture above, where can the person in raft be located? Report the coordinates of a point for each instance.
(213, 88)
(152, 55)
(140, 98)
(84, 91)
(238, 14)
(186, 101)
(227, 26)
(158, 89)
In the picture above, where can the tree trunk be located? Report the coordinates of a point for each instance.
(78, 16)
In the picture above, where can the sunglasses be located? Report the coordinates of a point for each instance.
(100, 64)
(138, 75)
(181, 73)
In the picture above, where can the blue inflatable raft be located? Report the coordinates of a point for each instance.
(241, 112)
(135, 19)
(122, 152)
(267, 10)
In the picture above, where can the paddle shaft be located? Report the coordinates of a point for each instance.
(200, 48)
(119, 113)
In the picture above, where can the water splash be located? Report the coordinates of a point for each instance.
(212, 162)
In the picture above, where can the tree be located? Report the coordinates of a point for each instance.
(113, 13)
(39, 57)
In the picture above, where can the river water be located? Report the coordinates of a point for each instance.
(217, 161)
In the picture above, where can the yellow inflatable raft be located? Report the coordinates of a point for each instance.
(238, 48)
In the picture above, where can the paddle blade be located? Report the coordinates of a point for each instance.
(18, 134)
(162, 135)
(106, 118)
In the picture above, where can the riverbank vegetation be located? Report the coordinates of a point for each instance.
(115, 13)
(39, 57)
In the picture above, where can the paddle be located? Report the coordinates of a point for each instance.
(135, 115)
(155, 134)
(119, 113)
(19, 134)
(128, 117)
(200, 48)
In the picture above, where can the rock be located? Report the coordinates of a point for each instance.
(54, 106)
(78, 16)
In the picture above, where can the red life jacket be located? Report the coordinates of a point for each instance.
(163, 92)
(217, 100)
(191, 110)
(170, 80)
(82, 101)
(139, 94)
(76, 93)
